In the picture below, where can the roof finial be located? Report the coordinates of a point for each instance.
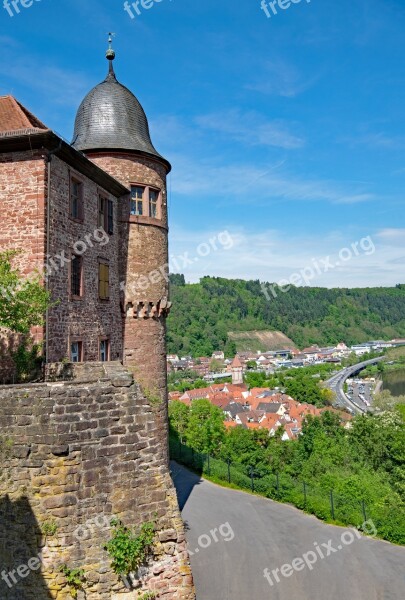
(110, 54)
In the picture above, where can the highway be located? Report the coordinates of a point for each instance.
(336, 382)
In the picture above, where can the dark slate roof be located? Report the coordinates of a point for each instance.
(111, 118)
(234, 408)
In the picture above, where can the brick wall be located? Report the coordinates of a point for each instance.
(78, 453)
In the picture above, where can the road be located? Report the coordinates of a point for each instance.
(261, 533)
(336, 382)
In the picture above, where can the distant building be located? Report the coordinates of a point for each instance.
(237, 371)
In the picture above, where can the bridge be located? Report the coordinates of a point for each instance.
(336, 382)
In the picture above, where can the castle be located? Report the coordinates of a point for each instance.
(91, 441)
(91, 216)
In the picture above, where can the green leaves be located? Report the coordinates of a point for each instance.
(206, 430)
(74, 578)
(127, 550)
(23, 303)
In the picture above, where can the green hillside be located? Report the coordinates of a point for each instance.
(203, 314)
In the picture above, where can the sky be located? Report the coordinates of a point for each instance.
(286, 134)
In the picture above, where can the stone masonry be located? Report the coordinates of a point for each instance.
(74, 454)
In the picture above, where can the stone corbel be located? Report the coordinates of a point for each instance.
(148, 310)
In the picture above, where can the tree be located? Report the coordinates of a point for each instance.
(206, 429)
(385, 401)
(216, 366)
(23, 303)
(179, 415)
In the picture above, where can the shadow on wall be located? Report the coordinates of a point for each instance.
(8, 343)
(20, 549)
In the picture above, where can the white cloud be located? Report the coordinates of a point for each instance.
(266, 255)
(248, 183)
(392, 236)
(280, 78)
(250, 128)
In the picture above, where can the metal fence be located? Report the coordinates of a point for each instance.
(387, 515)
(326, 504)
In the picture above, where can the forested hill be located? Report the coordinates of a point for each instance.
(204, 313)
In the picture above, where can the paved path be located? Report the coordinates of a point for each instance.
(268, 534)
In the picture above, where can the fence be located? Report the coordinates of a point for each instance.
(326, 504)
(388, 515)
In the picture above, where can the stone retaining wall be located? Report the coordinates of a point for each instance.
(72, 456)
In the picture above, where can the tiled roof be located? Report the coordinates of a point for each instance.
(197, 394)
(14, 117)
(236, 362)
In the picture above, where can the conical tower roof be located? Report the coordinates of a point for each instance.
(111, 118)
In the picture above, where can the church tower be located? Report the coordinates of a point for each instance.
(237, 371)
(112, 130)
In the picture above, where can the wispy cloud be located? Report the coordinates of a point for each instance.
(378, 140)
(392, 236)
(254, 184)
(65, 87)
(279, 78)
(251, 128)
(264, 255)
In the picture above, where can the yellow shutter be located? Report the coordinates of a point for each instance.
(104, 281)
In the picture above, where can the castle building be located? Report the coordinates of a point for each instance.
(91, 218)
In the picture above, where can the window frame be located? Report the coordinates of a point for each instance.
(101, 214)
(80, 350)
(137, 201)
(79, 258)
(102, 264)
(80, 199)
(107, 341)
(105, 217)
(154, 203)
(146, 201)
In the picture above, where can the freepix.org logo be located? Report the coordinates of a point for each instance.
(271, 8)
(13, 7)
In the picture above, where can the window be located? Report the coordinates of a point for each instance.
(101, 211)
(137, 194)
(76, 276)
(153, 203)
(106, 215)
(76, 199)
(110, 217)
(104, 350)
(104, 281)
(76, 352)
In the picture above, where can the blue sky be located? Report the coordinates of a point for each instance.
(288, 132)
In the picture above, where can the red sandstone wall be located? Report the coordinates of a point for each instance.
(22, 200)
(89, 317)
(144, 258)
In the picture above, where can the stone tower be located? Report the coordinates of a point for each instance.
(237, 371)
(112, 130)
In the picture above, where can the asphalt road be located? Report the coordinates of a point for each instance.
(256, 533)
